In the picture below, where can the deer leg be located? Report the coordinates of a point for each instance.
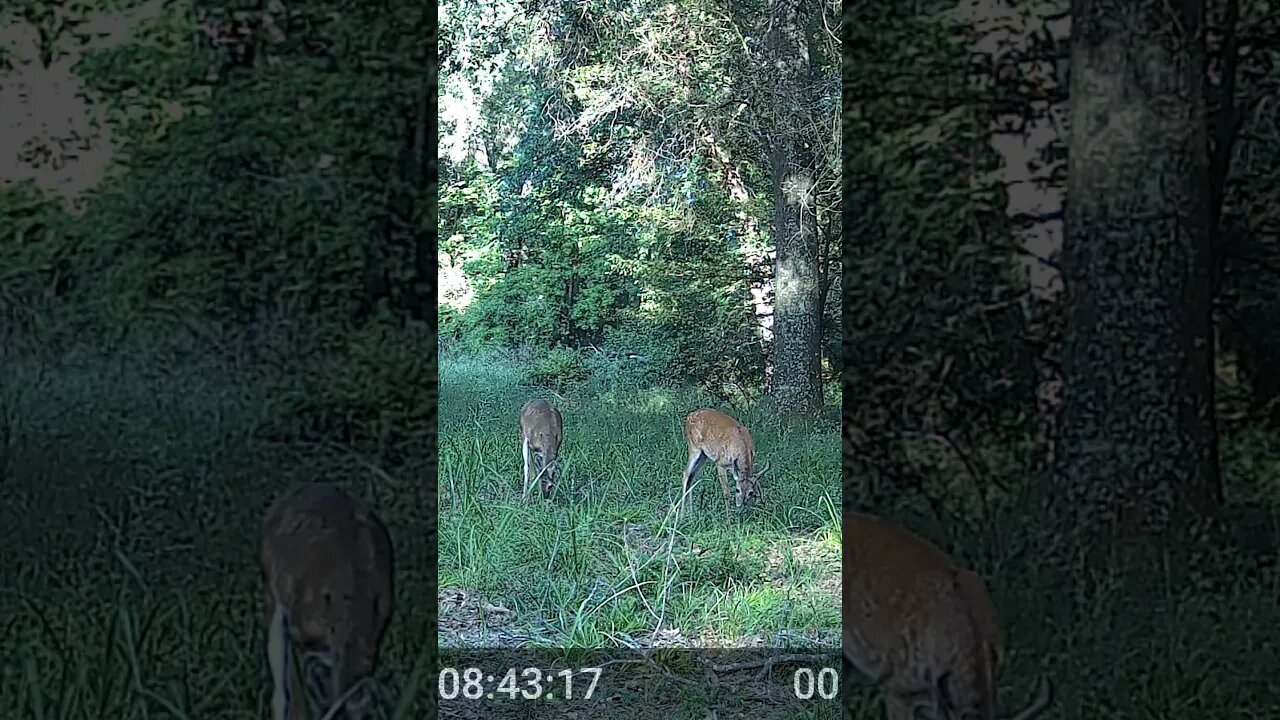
(524, 453)
(278, 660)
(722, 472)
(696, 458)
(319, 666)
(349, 694)
(549, 480)
(339, 682)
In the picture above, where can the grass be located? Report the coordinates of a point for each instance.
(1119, 644)
(603, 562)
(1120, 649)
(133, 488)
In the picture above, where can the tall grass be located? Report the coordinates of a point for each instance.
(133, 486)
(604, 562)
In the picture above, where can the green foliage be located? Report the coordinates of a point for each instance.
(550, 273)
(558, 368)
(371, 394)
(605, 543)
(134, 487)
(940, 351)
(239, 304)
(34, 259)
(618, 203)
(283, 183)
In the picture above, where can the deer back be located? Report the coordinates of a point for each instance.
(327, 559)
(542, 426)
(906, 615)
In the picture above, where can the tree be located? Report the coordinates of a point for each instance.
(1137, 426)
(797, 313)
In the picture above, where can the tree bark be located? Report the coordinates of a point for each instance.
(1137, 447)
(797, 312)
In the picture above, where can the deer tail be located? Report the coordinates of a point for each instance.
(278, 659)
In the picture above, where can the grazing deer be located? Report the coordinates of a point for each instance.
(712, 435)
(924, 630)
(326, 564)
(541, 432)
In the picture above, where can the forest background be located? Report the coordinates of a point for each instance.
(215, 270)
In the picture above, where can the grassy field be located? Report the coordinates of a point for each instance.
(603, 563)
(1133, 646)
(133, 486)
(1118, 648)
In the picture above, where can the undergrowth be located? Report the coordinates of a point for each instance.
(604, 562)
(134, 482)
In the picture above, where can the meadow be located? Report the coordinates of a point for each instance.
(134, 484)
(604, 562)
(1134, 644)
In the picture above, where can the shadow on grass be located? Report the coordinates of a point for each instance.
(133, 493)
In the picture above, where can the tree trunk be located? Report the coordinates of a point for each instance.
(1136, 452)
(797, 311)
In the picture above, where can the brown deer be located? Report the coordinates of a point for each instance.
(327, 568)
(920, 627)
(541, 432)
(712, 435)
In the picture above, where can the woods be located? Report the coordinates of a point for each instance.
(640, 221)
(1031, 250)
(639, 317)
(216, 249)
(217, 226)
(673, 259)
(1059, 295)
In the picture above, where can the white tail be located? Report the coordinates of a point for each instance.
(541, 433)
(712, 435)
(327, 568)
(920, 627)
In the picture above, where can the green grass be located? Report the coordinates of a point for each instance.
(1114, 645)
(603, 562)
(1119, 648)
(133, 487)
(1135, 646)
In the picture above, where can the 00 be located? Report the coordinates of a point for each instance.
(826, 684)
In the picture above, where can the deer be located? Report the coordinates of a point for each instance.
(327, 577)
(541, 432)
(712, 435)
(923, 629)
